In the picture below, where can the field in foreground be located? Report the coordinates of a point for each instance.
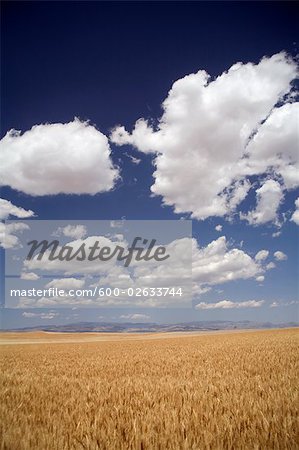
(219, 391)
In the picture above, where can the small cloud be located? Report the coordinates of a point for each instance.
(116, 223)
(44, 316)
(66, 283)
(274, 305)
(227, 304)
(135, 316)
(28, 314)
(280, 256)
(260, 278)
(218, 228)
(276, 234)
(261, 255)
(30, 276)
(72, 231)
(132, 158)
(270, 265)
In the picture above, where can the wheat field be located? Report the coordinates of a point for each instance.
(214, 391)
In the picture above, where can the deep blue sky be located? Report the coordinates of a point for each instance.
(113, 62)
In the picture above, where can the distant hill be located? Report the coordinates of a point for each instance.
(129, 327)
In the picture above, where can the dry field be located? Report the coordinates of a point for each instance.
(220, 391)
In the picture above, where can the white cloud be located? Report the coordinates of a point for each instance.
(280, 256)
(72, 231)
(227, 304)
(295, 215)
(70, 158)
(30, 276)
(29, 314)
(8, 209)
(261, 255)
(65, 283)
(260, 278)
(135, 316)
(218, 228)
(269, 197)
(132, 158)
(217, 263)
(210, 140)
(44, 302)
(277, 304)
(8, 239)
(276, 234)
(117, 223)
(274, 305)
(45, 315)
(270, 265)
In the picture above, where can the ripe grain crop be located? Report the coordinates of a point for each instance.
(226, 391)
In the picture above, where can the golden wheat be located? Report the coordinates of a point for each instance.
(226, 391)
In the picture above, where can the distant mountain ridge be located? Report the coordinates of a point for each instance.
(129, 327)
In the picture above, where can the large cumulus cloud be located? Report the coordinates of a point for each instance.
(216, 135)
(70, 158)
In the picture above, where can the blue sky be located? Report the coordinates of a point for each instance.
(112, 63)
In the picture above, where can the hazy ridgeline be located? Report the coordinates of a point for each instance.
(226, 391)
